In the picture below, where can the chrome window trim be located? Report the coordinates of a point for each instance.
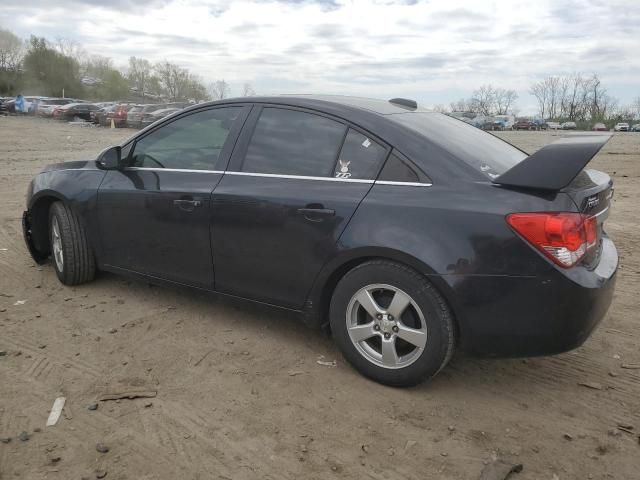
(406, 184)
(186, 170)
(301, 177)
(276, 175)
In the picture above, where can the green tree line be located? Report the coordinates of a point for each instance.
(41, 67)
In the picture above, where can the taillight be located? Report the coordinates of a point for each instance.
(563, 237)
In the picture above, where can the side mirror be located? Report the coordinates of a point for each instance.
(110, 159)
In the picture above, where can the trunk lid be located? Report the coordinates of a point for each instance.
(592, 192)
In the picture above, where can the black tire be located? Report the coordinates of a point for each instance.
(440, 343)
(78, 264)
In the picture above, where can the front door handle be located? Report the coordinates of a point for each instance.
(187, 205)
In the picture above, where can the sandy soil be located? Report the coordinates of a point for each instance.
(240, 394)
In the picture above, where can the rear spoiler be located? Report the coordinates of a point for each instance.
(554, 166)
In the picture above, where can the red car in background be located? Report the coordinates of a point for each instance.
(119, 115)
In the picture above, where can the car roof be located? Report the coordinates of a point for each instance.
(373, 105)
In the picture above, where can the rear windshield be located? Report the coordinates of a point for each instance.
(483, 151)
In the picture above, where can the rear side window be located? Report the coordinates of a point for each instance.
(481, 150)
(398, 170)
(290, 142)
(191, 142)
(359, 158)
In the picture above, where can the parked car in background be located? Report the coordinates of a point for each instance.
(152, 117)
(100, 116)
(119, 114)
(569, 126)
(3, 105)
(328, 206)
(504, 122)
(32, 103)
(554, 126)
(48, 105)
(600, 127)
(9, 105)
(74, 111)
(525, 125)
(621, 127)
(137, 113)
(635, 128)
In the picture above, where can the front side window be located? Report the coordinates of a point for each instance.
(191, 142)
(360, 157)
(290, 142)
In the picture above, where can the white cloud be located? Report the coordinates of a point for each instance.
(433, 51)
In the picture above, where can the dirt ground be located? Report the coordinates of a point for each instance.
(240, 394)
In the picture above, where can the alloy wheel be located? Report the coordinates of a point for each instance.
(386, 326)
(58, 255)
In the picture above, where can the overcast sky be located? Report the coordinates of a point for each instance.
(433, 51)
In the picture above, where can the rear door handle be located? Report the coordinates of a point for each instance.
(187, 205)
(325, 212)
(316, 213)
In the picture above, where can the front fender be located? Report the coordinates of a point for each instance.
(77, 188)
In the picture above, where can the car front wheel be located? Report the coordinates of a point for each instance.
(391, 324)
(73, 257)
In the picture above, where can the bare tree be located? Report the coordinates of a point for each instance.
(140, 75)
(635, 108)
(462, 105)
(219, 89)
(247, 90)
(483, 100)
(504, 100)
(71, 48)
(540, 91)
(11, 51)
(173, 79)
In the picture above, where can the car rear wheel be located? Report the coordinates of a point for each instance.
(73, 258)
(391, 324)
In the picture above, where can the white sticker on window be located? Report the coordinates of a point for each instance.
(344, 169)
(366, 143)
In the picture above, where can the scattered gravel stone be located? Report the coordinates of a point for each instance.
(568, 436)
(93, 406)
(24, 436)
(3, 353)
(102, 448)
(591, 385)
(42, 345)
(101, 473)
(37, 430)
(113, 330)
(5, 439)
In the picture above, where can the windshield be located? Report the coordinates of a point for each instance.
(481, 150)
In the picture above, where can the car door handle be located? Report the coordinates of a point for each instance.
(316, 213)
(187, 205)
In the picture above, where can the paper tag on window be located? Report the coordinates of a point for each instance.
(366, 143)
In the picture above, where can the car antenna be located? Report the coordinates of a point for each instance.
(405, 102)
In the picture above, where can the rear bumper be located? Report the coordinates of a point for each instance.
(525, 316)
